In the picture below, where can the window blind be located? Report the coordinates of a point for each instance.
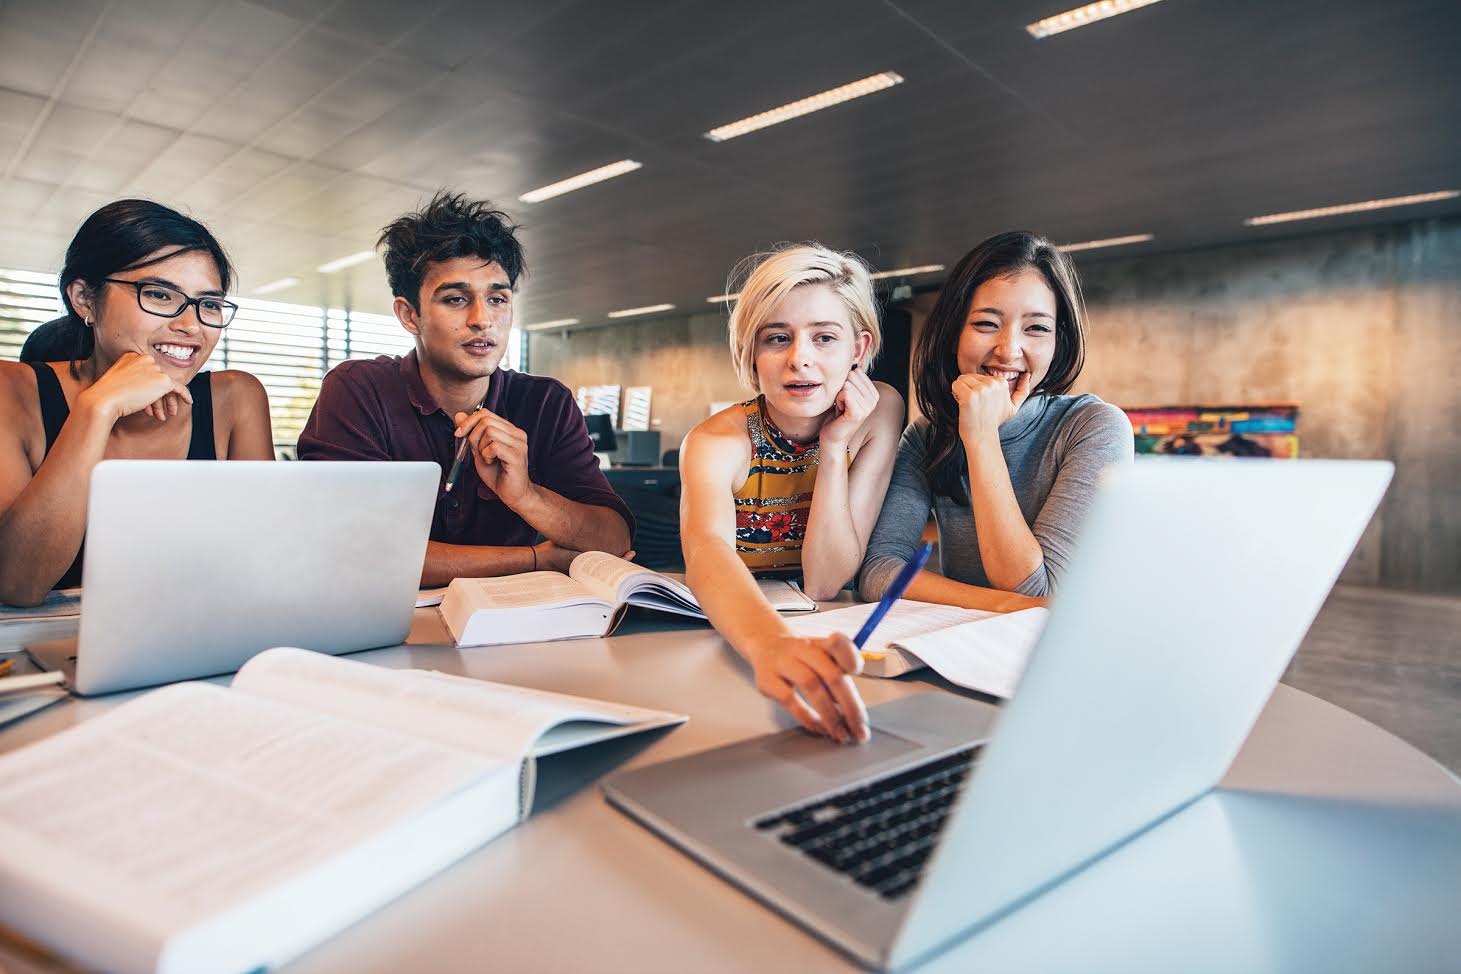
(289, 347)
(27, 299)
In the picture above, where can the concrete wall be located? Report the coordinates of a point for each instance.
(1362, 327)
(685, 359)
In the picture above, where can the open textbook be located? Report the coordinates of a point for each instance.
(591, 600)
(199, 829)
(984, 651)
(25, 686)
(59, 603)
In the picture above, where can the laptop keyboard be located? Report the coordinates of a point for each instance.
(880, 834)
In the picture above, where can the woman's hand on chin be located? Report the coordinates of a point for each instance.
(986, 403)
(135, 384)
(853, 405)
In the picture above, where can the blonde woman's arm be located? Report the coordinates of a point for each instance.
(809, 677)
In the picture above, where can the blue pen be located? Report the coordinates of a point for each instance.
(894, 593)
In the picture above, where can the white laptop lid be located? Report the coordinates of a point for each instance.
(1192, 586)
(192, 567)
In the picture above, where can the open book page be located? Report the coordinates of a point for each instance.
(605, 575)
(617, 580)
(59, 603)
(527, 589)
(31, 692)
(175, 805)
(988, 655)
(905, 620)
(14, 706)
(491, 719)
(784, 596)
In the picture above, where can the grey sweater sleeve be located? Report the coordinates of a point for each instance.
(1092, 438)
(900, 524)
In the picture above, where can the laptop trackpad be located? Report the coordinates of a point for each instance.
(827, 758)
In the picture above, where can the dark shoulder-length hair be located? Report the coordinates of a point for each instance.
(123, 236)
(936, 358)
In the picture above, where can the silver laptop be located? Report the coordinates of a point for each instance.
(192, 567)
(1192, 585)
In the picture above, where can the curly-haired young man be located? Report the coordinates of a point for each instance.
(453, 268)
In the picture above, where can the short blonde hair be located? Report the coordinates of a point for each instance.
(771, 276)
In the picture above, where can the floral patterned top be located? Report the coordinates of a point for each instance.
(773, 505)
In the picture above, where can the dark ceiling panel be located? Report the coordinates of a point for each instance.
(768, 57)
(297, 128)
(465, 32)
(39, 39)
(213, 58)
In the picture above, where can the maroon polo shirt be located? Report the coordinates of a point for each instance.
(379, 409)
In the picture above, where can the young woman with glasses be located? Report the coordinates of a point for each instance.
(144, 292)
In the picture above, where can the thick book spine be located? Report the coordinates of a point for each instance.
(96, 936)
(294, 916)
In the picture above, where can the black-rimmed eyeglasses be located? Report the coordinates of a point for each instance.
(168, 302)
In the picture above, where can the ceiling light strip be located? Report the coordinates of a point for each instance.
(350, 260)
(279, 285)
(907, 271)
(555, 323)
(805, 106)
(1108, 242)
(580, 181)
(646, 310)
(1081, 16)
(717, 299)
(1362, 207)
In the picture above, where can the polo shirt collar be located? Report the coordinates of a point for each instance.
(421, 399)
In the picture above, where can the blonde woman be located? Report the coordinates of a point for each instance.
(757, 496)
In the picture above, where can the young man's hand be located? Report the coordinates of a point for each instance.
(552, 558)
(500, 453)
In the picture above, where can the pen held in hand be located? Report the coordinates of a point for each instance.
(894, 593)
(456, 465)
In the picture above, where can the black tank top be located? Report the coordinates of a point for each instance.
(53, 416)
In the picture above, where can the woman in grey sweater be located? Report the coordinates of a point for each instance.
(1003, 458)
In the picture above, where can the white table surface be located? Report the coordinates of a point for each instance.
(1330, 846)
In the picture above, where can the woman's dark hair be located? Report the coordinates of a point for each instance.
(123, 236)
(936, 361)
(450, 226)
